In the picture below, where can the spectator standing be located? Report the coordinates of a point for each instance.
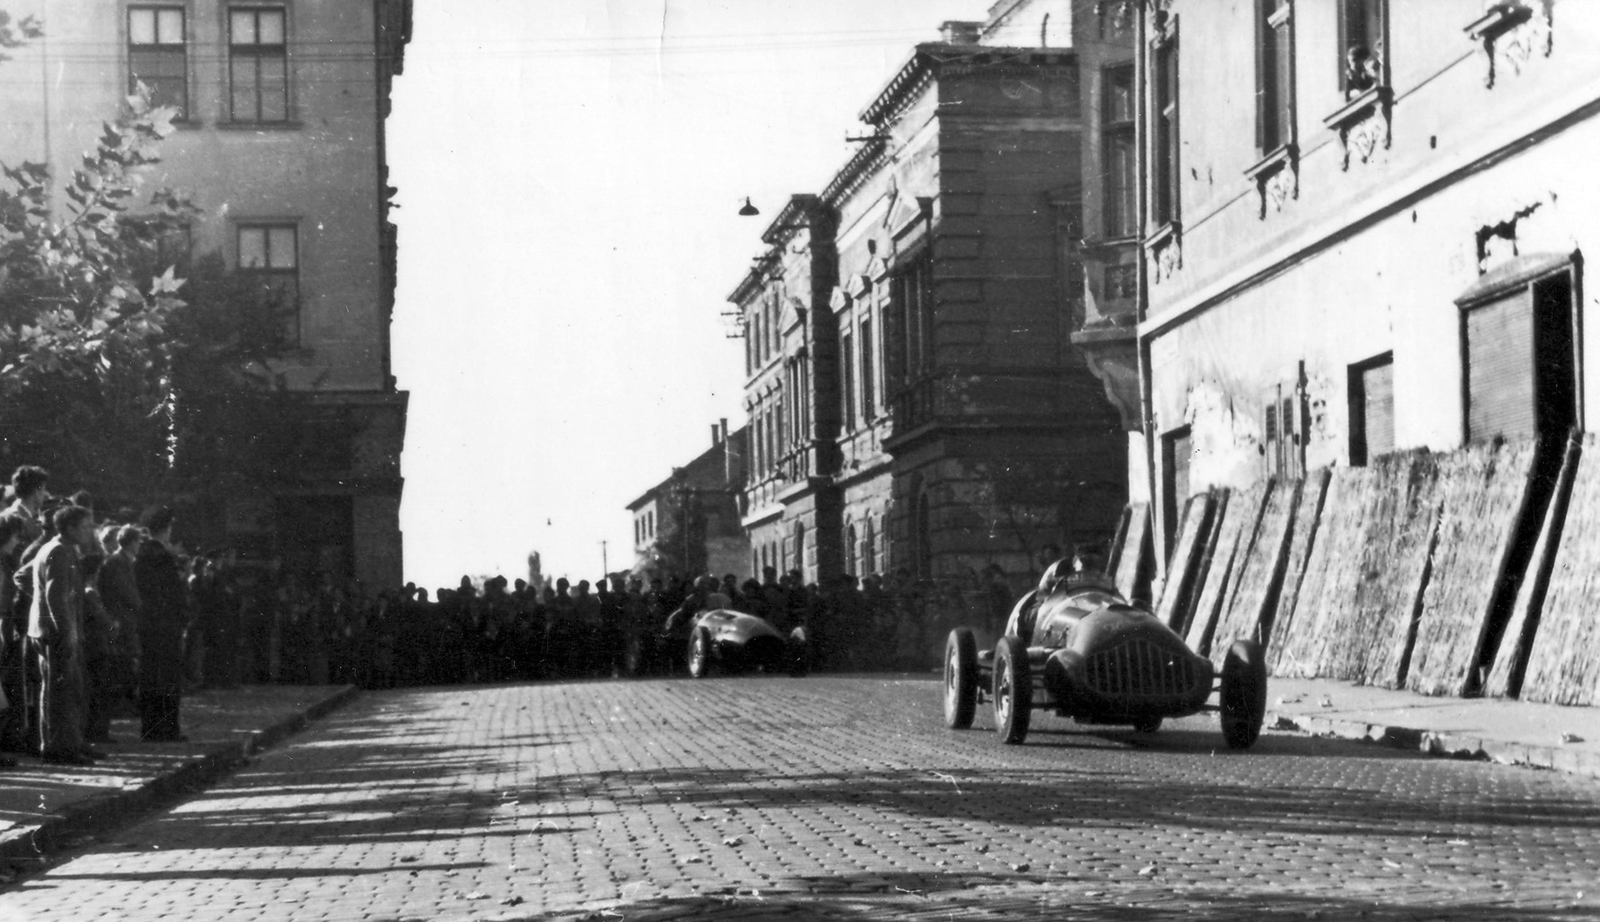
(161, 629)
(55, 624)
(26, 509)
(120, 595)
(12, 631)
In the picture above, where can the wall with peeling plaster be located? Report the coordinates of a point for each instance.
(1370, 255)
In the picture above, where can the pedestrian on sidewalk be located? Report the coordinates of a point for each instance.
(161, 629)
(55, 624)
(28, 484)
(12, 631)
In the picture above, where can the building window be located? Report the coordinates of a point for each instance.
(258, 64)
(1164, 135)
(924, 537)
(800, 548)
(853, 547)
(1363, 46)
(1274, 75)
(270, 252)
(847, 365)
(868, 373)
(1521, 353)
(869, 548)
(158, 57)
(911, 299)
(1120, 167)
(1371, 386)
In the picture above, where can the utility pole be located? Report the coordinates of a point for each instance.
(605, 565)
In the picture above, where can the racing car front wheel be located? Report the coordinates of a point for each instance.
(1244, 694)
(700, 653)
(960, 679)
(1013, 690)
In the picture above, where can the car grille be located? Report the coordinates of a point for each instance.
(1139, 668)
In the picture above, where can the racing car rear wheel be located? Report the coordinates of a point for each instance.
(1148, 725)
(700, 653)
(1013, 690)
(1244, 694)
(960, 679)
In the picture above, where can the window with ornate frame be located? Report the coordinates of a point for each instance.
(1363, 46)
(1164, 177)
(1275, 96)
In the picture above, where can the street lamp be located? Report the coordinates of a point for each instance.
(748, 210)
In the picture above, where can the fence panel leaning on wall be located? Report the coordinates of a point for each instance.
(1402, 574)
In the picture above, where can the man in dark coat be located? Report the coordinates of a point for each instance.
(28, 485)
(163, 619)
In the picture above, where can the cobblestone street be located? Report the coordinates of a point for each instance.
(829, 797)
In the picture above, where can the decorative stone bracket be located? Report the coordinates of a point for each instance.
(1277, 177)
(1363, 124)
(1512, 34)
(1166, 251)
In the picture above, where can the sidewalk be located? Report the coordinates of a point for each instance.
(43, 806)
(1565, 739)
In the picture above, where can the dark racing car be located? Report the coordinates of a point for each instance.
(1074, 646)
(724, 640)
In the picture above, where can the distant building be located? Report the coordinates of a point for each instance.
(919, 381)
(1363, 228)
(280, 142)
(688, 524)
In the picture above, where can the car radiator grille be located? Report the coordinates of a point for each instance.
(1139, 668)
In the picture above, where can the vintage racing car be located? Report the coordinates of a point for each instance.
(1076, 647)
(731, 641)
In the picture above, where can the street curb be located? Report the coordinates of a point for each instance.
(1448, 745)
(103, 811)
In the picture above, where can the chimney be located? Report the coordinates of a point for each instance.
(716, 436)
(960, 32)
(724, 428)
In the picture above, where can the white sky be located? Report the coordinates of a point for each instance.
(569, 175)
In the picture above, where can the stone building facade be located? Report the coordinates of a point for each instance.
(689, 523)
(280, 143)
(1363, 231)
(915, 393)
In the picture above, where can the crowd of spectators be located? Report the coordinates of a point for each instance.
(109, 616)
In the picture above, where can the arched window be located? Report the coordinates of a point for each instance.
(800, 549)
(853, 548)
(869, 548)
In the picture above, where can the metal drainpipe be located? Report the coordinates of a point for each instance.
(1146, 400)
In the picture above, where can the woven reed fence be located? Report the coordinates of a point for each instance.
(1516, 643)
(1302, 535)
(1331, 572)
(1481, 493)
(1234, 536)
(1131, 552)
(1368, 572)
(1260, 570)
(1183, 570)
(1564, 660)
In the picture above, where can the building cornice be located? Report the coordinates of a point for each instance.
(930, 59)
(873, 154)
(796, 215)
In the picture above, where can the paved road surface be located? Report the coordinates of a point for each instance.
(828, 797)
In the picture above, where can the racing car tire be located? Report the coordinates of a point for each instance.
(1013, 690)
(1244, 694)
(960, 679)
(1148, 725)
(700, 664)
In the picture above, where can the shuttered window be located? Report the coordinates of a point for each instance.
(1500, 391)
